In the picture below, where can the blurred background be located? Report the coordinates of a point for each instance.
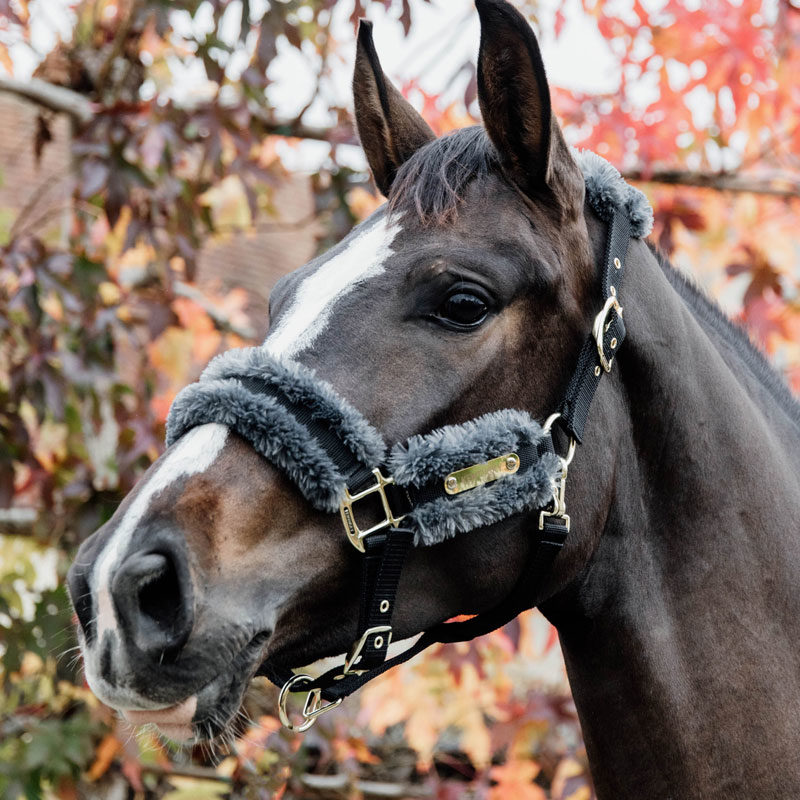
(162, 164)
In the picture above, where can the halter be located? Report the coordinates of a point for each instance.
(447, 482)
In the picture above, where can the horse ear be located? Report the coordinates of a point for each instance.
(515, 99)
(389, 127)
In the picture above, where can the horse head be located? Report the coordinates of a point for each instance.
(470, 290)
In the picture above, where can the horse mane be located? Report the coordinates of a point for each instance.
(431, 183)
(707, 311)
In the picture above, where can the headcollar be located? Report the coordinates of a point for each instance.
(450, 481)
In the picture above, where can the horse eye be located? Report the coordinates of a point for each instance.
(463, 310)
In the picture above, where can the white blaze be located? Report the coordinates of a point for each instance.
(363, 258)
(193, 453)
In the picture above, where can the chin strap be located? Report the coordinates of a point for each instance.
(386, 545)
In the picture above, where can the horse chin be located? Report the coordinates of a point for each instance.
(218, 702)
(206, 714)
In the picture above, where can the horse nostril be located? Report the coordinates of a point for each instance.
(158, 594)
(154, 601)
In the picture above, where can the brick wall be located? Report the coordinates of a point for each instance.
(253, 260)
(40, 190)
(256, 260)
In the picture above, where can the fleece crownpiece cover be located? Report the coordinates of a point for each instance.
(280, 407)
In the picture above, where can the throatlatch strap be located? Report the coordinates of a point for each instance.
(586, 377)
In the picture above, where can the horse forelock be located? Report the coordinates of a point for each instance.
(431, 184)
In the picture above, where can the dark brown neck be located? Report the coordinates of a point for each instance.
(680, 635)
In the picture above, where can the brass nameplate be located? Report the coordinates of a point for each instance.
(480, 474)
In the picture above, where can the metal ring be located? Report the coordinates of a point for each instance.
(312, 708)
(283, 713)
(570, 451)
(548, 425)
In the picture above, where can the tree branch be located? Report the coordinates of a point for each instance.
(340, 134)
(337, 785)
(780, 185)
(52, 97)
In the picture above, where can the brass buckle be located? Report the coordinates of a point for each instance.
(354, 533)
(600, 328)
(312, 708)
(355, 650)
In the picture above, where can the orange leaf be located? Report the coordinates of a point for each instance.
(515, 779)
(5, 59)
(104, 755)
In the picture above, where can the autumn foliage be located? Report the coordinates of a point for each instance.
(102, 324)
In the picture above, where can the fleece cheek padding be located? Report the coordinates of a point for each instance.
(445, 517)
(303, 388)
(273, 430)
(433, 456)
(607, 192)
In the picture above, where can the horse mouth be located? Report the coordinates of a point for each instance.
(174, 722)
(207, 713)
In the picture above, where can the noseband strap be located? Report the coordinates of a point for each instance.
(448, 482)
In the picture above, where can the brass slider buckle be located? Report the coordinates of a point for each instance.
(600, 328)
(312, 708)
(355, 650)
(354, 533)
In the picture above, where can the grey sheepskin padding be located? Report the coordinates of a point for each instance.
(454, 447)
(273, 431)
(606, 190)
(301, 386)
(269, 428)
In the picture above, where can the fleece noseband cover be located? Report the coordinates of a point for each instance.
(302, 426)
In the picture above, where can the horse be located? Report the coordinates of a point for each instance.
(473, 289)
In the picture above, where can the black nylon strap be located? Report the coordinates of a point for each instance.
(549, 543)
(384, 555)
(586, 377)
(387, 551)
(353, 470)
